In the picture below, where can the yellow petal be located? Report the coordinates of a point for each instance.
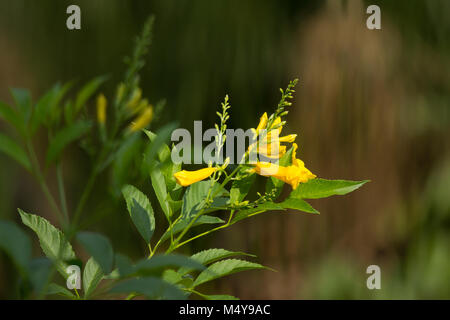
(186, 178)
(289, 138)
(262, 122)
(101, 108)
(143, 120)
(293, 175)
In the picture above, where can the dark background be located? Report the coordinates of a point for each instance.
(371, 104)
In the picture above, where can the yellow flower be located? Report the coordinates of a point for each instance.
(294, 174)
(142, 120)
(262, 123)
(186, 178)
(289, 138)
(135, 99)
(101, 108)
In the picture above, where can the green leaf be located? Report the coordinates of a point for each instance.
(40, 271)
(125, 159)
(54, 288)
(52, 241)
(145, 225)
(22, 98)
(163, 151)
(92, 275)
(124, 265)
(206, 257)
(321, 188)
(16, 243)
(99, 247)
(47, 105)
(141, 220)
(241, 187)
(12, 149)
(151, 287)
(64, 137)
(12, 117)
(267, 206)
(157, 264)
(172, 276)
(181, 224)
(195, 196)
(159, 186)
(224, 268)
(216, 296)
(298, 204)
(86, 92)
(158, 145)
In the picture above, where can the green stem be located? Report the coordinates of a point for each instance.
(206, 232)
(84, 197)
(62, 192)
(40, 178)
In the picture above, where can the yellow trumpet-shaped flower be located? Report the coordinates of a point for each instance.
(294, 174)
(289, 138)
(186, 178)
(262, 122)
(101, 108)
(142, 120)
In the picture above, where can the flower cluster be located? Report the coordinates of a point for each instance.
(269, 149)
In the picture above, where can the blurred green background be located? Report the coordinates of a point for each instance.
(371, 104)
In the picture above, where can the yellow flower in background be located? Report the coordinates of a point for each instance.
(135, 99)
(101, 108)
(142, 120)
(294, 174)
(186, 178)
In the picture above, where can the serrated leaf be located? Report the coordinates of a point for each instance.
(322, 188)
(195, 196)
(216, 296)
(16, 243)
(241, 187)
(64, 137)
(12, 149)
(224, 268)
(206, 257)
(181, 224)
(141, 220)
(54, 288)
(99, 247)
(151, 287)
(158, 263)
(298, 204)
(171, 276)
(159, 186)
(145, 226)
(92, 275)
(52, 240)
(267, 206)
